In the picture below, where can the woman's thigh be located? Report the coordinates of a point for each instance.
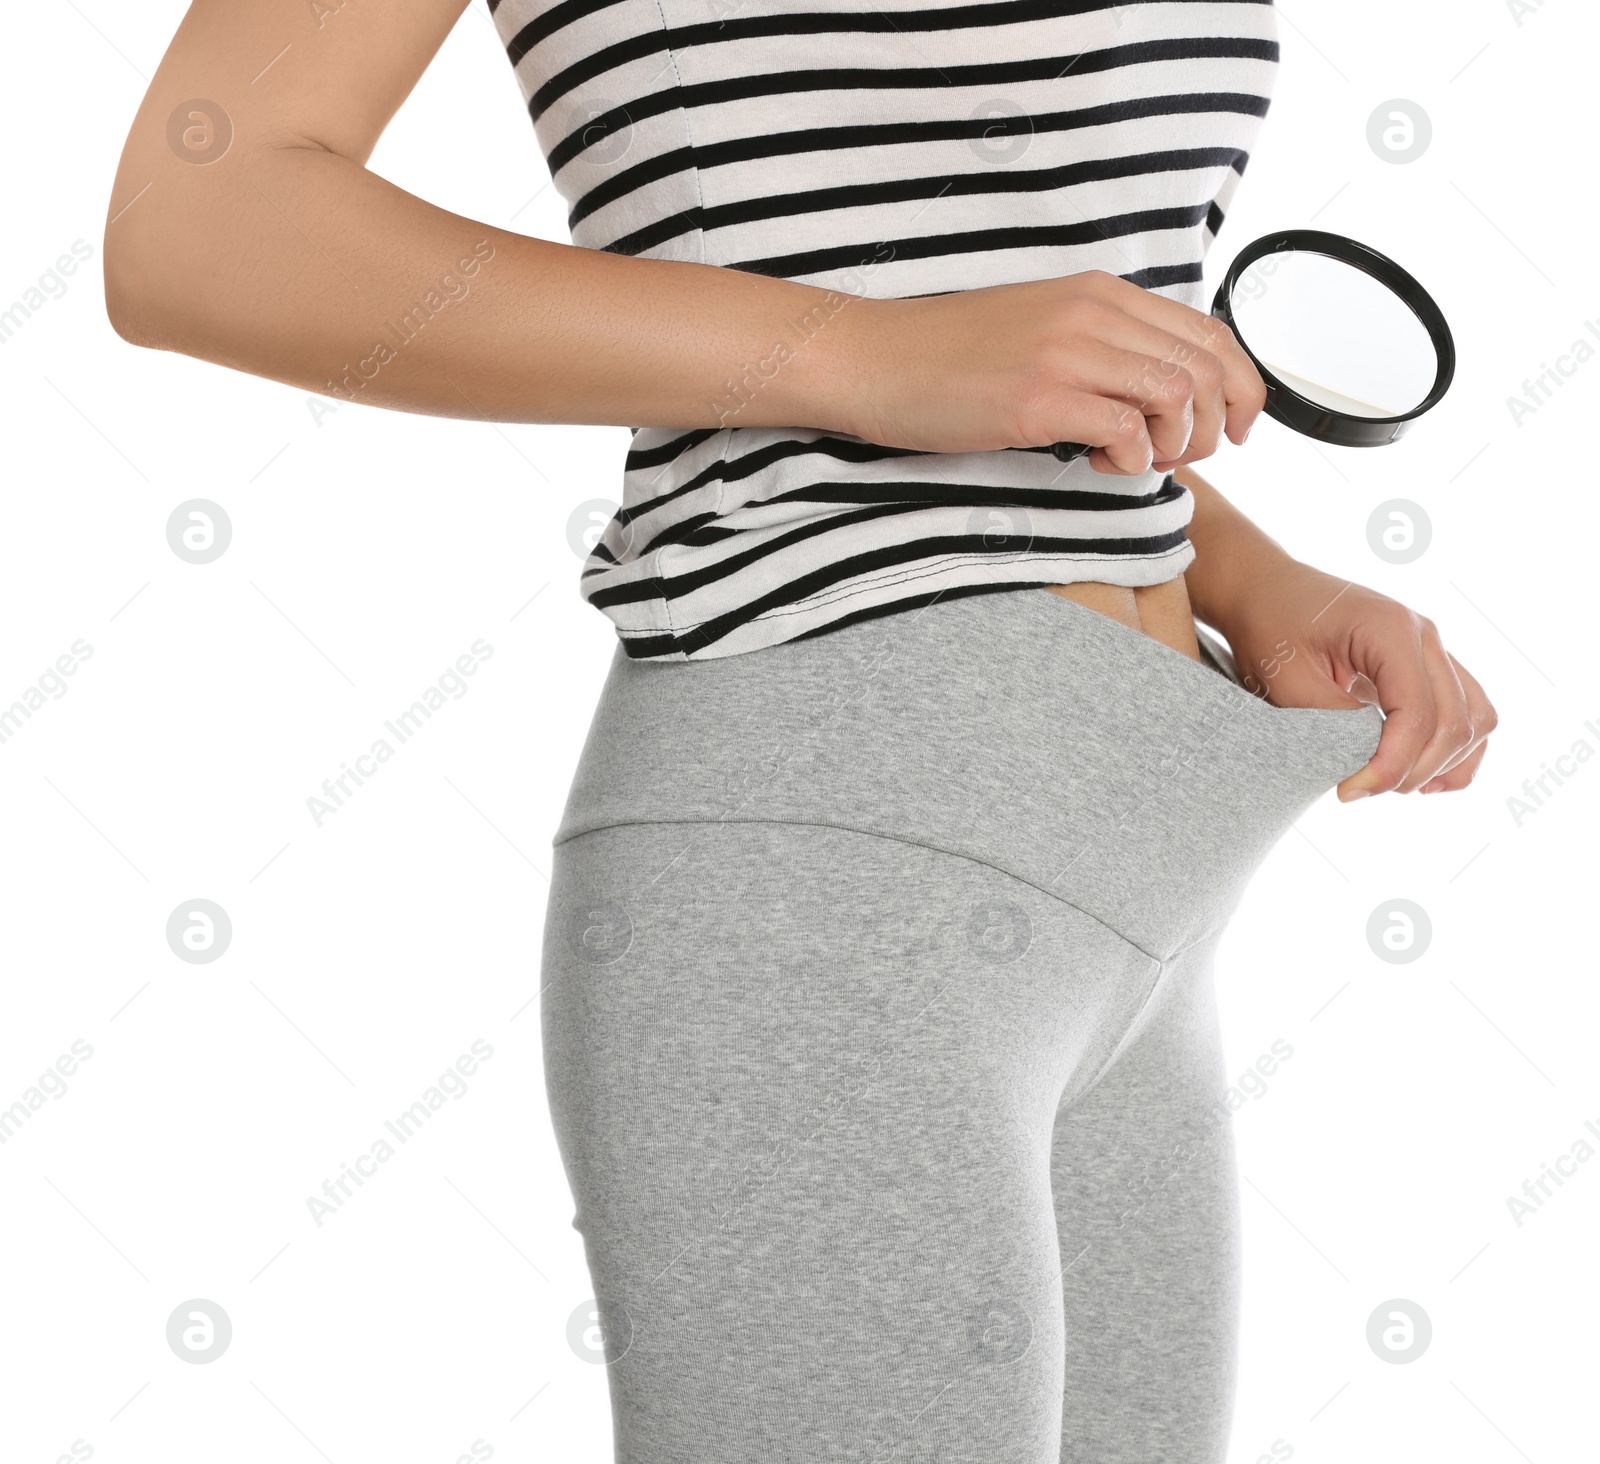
(1147, 1211)
(805, 1083)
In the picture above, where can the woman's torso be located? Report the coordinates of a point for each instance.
(886, 150)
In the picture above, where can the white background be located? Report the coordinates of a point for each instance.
(370, 549)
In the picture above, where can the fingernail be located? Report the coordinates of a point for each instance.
(1354, 794)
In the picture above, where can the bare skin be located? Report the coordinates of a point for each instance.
(282, 254)
(1160, 611)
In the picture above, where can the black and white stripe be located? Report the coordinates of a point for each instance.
(885, 148)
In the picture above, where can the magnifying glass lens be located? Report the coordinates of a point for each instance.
(1335, 335)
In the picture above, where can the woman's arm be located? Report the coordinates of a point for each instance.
(1303, 638)
(287, 258)
(1233, 556)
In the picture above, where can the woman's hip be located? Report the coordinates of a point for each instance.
(1015, 728)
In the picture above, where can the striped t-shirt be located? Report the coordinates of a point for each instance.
(883, 148)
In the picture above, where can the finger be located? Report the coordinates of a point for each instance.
(1117, 433)
(1484, 717)
(1243, 390)
(1167, 405)
(1403, 689)
(1125, 381)
(1158, 359)
(1452, 732)
(1201, 374)
(1210, 404)
(1163, 393)
(1484, 721)
(1455, 778)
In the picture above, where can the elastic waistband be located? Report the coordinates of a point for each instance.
(1018, 728)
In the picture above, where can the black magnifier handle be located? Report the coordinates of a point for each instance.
(1070, 452)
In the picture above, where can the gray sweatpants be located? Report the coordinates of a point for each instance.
(881, 1041)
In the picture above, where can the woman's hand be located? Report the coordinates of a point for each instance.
(1303, 638)
(1145, 381)
(1308, 639)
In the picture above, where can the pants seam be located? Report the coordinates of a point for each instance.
(1159, 961)
(1200, 940)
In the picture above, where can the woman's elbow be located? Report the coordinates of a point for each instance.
(133, 292)
(154, 261)
(125, 306)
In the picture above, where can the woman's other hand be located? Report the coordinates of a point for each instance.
(1309, 639)
(1303, 638)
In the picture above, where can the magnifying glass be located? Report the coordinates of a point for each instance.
(1351, 347)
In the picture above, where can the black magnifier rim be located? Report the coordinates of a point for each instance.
(1312, 419)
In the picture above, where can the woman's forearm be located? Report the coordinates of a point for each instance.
(1234, 562)
(296, 263)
